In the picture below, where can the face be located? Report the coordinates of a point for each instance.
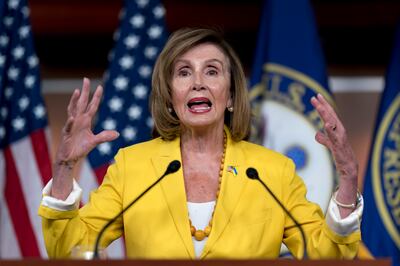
(200, 87)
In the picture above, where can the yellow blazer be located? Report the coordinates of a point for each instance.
(247, 222)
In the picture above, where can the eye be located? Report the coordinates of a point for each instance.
(183, 72)
(212, 71)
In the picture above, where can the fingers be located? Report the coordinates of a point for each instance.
(333, 128)
(72, 103)
(321, 138)
(332, 124)
(334, 137)
(79, 100)
(105, 136)
(94, 103)
(84, 97)
(324, 109)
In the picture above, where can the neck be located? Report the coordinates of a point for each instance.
(208, 141)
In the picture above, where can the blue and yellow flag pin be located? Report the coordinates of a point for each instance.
(232, 169)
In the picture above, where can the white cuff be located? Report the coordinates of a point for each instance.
(347, 225)
(71, 203)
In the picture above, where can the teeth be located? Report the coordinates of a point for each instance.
(201, 108)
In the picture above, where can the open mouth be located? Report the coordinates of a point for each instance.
(200, 104)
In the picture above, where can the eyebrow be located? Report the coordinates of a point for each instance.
(207, 61)
(215, 60)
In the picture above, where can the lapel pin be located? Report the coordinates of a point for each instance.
(232, 169)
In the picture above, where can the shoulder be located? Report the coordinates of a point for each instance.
(144, 146)
(268, 162)
(256, 151)
(141, 158)
(141, 150)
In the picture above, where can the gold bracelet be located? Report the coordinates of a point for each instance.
(347, 206)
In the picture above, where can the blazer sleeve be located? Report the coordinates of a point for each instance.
(62, 230)
(322, 242)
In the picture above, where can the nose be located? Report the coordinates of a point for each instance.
(198, 82)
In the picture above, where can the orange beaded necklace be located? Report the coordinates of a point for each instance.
(199, 235)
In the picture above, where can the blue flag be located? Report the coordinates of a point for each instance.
(381, 219)
(127, 83)
(25, 164)
(288, 70)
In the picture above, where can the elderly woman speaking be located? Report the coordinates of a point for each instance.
(209, 208)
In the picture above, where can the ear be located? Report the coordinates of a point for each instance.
(229, 102)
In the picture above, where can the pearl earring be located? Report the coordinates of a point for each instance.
(170, 109)
(230, 109)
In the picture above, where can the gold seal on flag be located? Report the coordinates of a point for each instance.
(386, 170)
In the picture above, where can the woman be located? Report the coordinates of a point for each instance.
(209, 208)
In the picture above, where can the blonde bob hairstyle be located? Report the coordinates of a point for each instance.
(166, 123)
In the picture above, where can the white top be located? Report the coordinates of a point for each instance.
(200, 213)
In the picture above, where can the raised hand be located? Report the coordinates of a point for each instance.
(77, 138)
(335, 139)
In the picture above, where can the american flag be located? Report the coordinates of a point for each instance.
(127, 84)
(24, 157)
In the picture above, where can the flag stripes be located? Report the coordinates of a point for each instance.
(41, 154)
(24, 157)
(11, 247)
(18, 208)
(127, 84)
(25, 174)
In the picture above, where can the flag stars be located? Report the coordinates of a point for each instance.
(8, 21)
(8, 92)
(122, 13)
(18, 52)
(33, 61)
(131, 41)
(25, 11)
(30, 81)
(129, 133)
(140, 91)
(4, 112)
(150, 122)
(137, 21)
(116, 35)
(154, 32)
(4, 40)
(142, 3)
(159, 12)
(13, 73)
(2, 60)
(2, 132)
(23, 103)
(39, 111)
(134, 112)
(24, 31)
(150, 52)
(126, 62)
(18, 123)
(13, 4)
(104, 148)
(121, 83)
(144, 71)
(115, 104)
(109, 124)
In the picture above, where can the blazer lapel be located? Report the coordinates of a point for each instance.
(173, 188)
(231, 189)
